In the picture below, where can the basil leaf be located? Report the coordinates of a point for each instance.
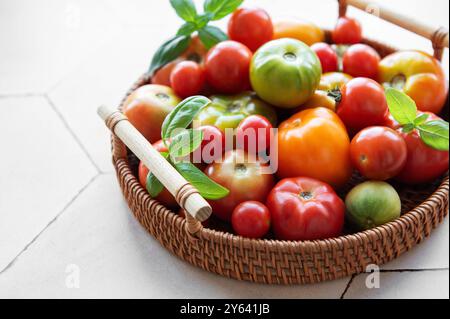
(183, 115)
(185, 9)
(185, 143)
(154, 186)
(211, 35)
(169, 51)
(206, 187)
(221, 8)
(421, 119)
(187, 29)
(435, 134)
(401, 106)
(202, 20)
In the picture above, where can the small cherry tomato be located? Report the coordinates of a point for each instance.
(251, 219)
(227, 67)
(423, 164)
(361, 60)
(251, 27)
(378, 153)
(187, 78)
(362, 104)
(328, 58)
(347, 31)
(212, 147)
(254, 134)
(305, 209)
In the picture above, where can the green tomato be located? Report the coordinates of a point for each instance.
(285, 72)
(372, 204)
(228, 111)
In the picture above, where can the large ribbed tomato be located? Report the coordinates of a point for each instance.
(314, 143)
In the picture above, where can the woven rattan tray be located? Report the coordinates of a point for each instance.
(286, 262)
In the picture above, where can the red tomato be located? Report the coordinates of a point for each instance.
(378, 153)
(251, 27)
(360, 60)
(165, 197)
(254, 134)
(305, 209)
(423, 163)
(328, 58)
(212, 146)
(227, 67)
(347, 31)
(251, 219)
(363, 103)
(187, 78)
(242, 175)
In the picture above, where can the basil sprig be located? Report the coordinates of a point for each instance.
(403, 109)
(181, 143)
(193, 22)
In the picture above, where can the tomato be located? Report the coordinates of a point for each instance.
(319, 99)
(347, 31)
(242, 175)
(187, 79)
(423, 164)
(254, 134)
(227, 65)
(285, 72)
(419, 75)
(212, 146)
(228, 111)
(305, 209)
(165, 197)
(378, 152)
(314, 143)
(196, 52)
(251, 27)
(148, 106)
(328, 58)
(333, 81)
(372, 204)
(304, 31)
(360, 60)
(363, 103)
(251, 219)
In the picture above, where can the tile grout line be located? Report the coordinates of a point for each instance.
(13, 261)
(347, 287)
(72, 133)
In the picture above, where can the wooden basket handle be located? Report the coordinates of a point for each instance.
(185, 194)
(438, 35)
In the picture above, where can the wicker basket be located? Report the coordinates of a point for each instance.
(288, 262)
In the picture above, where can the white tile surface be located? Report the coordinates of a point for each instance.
(403, 285)
(43, 169)
(118, 258)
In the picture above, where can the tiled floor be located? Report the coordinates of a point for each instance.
(61, 210)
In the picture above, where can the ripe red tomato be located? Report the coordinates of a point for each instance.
(187, 78)
(251, 219)
(305, 209)
(227, 67)
(165, 197)
(361, 60)
(363, 104)
(212, 147)
(347, 31)
(251, 27)
(254, 134)
(423, 164)
(378, 153)
(242, 175)
(327, 56)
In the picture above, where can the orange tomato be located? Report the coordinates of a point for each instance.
(319, 99)
(419, 75)
(298, 29)
(314, 143)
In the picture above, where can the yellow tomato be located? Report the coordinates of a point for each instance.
(319, 99)
(333, 80)
(304, 31)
